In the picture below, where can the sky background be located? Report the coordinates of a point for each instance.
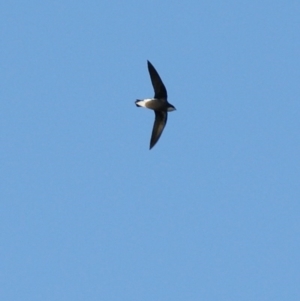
(87, 212)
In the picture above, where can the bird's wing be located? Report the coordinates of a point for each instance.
(158, 127)
(160, 90)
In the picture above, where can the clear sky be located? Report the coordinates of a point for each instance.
(87, 212)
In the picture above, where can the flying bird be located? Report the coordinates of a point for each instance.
(158, 103)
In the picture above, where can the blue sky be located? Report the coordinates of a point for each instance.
(87, 212)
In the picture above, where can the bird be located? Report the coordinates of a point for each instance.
(159, 103)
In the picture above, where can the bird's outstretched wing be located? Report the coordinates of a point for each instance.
(158, 127)
(160, 90)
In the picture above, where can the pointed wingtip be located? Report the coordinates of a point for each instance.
(151, 145)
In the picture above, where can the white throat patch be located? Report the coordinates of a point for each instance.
(143, 102)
